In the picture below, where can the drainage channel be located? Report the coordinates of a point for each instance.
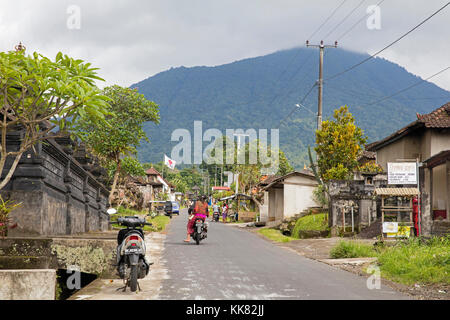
(69, 283)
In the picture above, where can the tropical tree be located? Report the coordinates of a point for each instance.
(122, 131)
(338, 145)
(39, 96)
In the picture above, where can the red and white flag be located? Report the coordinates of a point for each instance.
(169, 162)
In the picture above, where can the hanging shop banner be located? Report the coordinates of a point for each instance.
(402, 173)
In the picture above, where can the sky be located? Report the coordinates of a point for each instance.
(131, 40)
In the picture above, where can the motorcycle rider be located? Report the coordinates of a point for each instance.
(199, 209)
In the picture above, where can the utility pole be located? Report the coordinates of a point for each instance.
(321, 47)
(239, 135)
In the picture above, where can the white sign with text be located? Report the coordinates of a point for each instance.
(402, 173)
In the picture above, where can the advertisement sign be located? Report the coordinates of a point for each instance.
(390, 227)
(403, 232)
(402, 173)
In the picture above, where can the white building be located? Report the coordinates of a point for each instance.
(288, 195)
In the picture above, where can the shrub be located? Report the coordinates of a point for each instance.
(313, 222)
(352, 249)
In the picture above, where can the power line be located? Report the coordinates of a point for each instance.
(388, 46)
(344, 19)
(327, 19)
(301, 102)
(357, 22)
(407, 88)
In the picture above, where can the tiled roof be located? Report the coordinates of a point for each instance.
(269, 179)
(396, 191)
(368, 155)
(152, 171)
(439, 118)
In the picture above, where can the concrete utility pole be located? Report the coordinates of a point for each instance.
(239, 135)
(321, 47)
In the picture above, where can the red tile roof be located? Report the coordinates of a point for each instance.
(152, 171)
(439, 118)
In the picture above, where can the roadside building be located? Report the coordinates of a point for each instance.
(287, 195)
(159, 185)
(428, 140)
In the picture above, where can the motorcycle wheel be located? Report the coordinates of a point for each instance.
(197, 239)
(133, 278)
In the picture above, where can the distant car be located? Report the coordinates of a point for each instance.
(175, 207)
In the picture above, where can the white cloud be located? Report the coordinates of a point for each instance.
(132, 40)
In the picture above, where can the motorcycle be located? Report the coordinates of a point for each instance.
(216, 216)
(131, 262)
(200, 230)
(168, 209)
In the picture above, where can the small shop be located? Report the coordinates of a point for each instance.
(397, 211)
(243, 205)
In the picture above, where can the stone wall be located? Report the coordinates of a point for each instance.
(357, 194)
(27, 284)
(57, 195)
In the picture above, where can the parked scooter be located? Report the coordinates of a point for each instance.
(216, 216)
(131, 262)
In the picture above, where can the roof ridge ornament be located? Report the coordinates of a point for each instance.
(20, 47)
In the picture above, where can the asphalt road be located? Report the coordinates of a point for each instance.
(236, 264)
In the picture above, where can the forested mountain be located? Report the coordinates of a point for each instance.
(259, 92)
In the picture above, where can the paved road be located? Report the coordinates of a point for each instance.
(236, 264)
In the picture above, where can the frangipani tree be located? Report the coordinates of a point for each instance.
(39, 96)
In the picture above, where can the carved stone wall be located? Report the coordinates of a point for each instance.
(57, 194)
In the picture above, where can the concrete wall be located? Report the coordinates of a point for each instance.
(27, 284)
(440, 141)
(298, 195)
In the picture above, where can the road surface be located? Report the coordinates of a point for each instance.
(236, 264)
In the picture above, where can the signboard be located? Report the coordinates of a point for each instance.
(402, 173)
(390, 227)
(393, 230)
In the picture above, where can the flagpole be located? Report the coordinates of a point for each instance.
(164, 164)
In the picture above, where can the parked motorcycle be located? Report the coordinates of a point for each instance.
(131, 262)
(168, 209)
(200, 230)
(216, 216)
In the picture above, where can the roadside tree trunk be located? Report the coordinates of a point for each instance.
(116, 178)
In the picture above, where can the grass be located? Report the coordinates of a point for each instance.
(352, 249)
(274, 235)
(414, 261)
(316, 222)
(409, 261)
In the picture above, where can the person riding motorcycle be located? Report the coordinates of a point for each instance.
(198, 210)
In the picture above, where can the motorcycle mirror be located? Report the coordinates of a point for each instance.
(111, 211)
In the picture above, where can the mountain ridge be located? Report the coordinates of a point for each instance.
(258, 92)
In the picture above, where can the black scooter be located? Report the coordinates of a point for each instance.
(131, 262)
